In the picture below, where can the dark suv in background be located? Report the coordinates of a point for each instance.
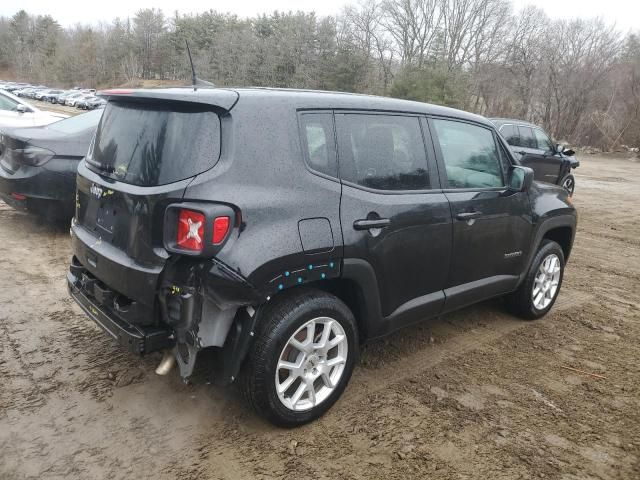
(533, 148)
(280, 229)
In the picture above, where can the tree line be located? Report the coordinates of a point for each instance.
(579, 78)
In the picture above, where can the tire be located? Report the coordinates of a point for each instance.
(522, 301)
(285, 323)
(569, 184)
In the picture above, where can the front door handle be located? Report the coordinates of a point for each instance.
(365, 224)
(468, 215)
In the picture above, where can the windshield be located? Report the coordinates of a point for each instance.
(155, 144)
(78, 123)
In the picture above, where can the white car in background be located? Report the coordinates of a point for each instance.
(15, 112)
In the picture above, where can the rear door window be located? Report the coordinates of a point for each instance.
(470, 155)
(527, 139)
(382, 152)
(510, 134)
(155, 144)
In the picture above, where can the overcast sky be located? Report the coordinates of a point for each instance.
(625, 13)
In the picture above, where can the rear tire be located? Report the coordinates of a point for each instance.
(305, 350)
(541, 286)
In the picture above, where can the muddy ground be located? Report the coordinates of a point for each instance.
(476, 394)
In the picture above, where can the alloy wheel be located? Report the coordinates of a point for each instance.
(545, 285)
(311, 364)
(568, 185)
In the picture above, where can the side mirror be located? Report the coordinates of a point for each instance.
(21, 109)
(520, 178)
(559, 148)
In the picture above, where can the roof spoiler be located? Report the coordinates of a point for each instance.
(222, 98)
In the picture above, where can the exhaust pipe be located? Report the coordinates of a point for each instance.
(167, 363)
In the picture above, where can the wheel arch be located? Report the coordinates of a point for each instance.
(357, 287)
(560, 229)
(563, 236)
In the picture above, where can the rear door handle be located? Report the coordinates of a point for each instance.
(468, 215)
(374, 223)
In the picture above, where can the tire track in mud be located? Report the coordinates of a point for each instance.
(104, 366)
(247, 434)
(371, 380)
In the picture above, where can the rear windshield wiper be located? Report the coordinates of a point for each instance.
(101, 166)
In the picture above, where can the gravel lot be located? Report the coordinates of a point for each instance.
(475, 394)
(54, 107)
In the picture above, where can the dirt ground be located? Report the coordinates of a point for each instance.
(475, 394)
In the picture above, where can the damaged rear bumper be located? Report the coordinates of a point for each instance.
(100, 304)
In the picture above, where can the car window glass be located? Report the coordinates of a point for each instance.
(527, 139)
(510, 134)
(318, 142)
(7, 103)
(384, 152)
(470, 155)
(78, 123)
(155, 144)
(543, 141)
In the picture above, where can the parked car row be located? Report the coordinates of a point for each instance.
(81, 98)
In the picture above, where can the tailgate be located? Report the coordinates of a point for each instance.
(118, 232)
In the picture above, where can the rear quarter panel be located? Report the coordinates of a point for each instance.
(262, 173)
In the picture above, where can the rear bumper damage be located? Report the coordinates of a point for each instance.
(198, 304)
(101, 305)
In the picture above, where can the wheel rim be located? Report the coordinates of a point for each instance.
(568, 185)
(311, 364)
(545, 285)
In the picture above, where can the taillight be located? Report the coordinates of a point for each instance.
(220, 229)
(198, 228)
(190, 230)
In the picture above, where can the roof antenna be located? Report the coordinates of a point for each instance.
(195, 81)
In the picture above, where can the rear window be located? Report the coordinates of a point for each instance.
(78, 123)
(155, 144)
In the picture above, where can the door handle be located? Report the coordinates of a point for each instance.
(468, 215)
(373, 223)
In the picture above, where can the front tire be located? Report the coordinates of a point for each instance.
(540, 288)
(569, 184)
(303, 356)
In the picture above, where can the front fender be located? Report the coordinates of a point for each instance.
(543, 227)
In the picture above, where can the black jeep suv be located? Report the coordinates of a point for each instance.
(280, 229)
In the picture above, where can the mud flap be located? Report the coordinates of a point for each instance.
(237, 346)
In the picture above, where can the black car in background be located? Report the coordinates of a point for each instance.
(38, 164)
(533, 148)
